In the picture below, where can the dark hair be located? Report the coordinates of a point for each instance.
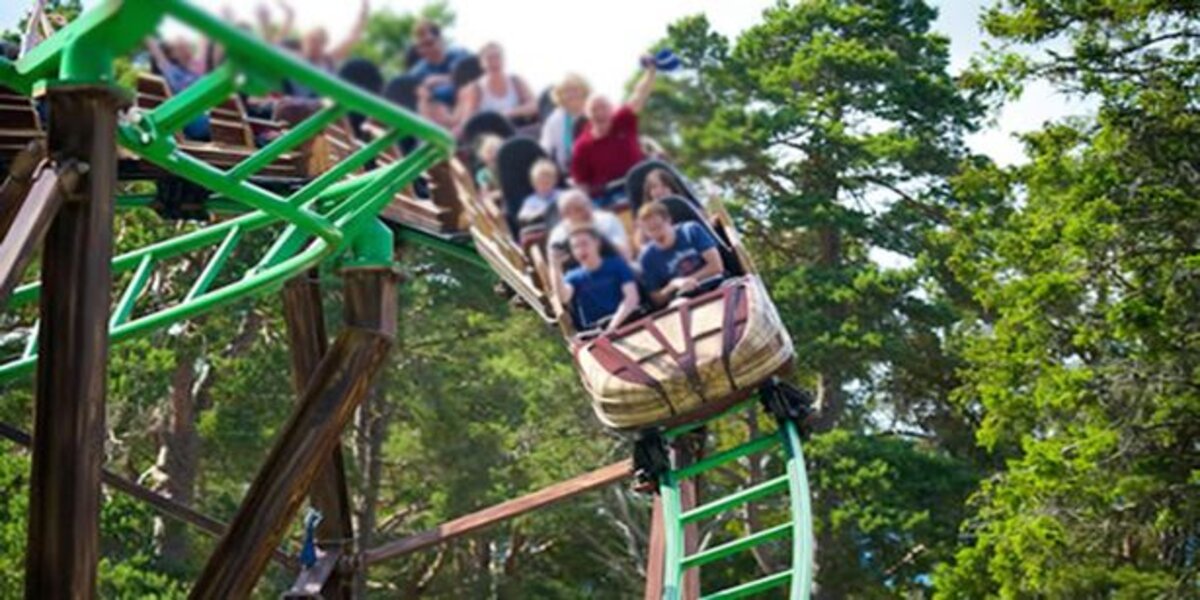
(433, 28)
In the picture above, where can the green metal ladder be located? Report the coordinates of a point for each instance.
(333, 216)
(786, 439)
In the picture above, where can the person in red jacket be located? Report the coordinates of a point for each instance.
(609, 145)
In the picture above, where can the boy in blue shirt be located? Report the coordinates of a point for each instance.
(600, 286)
(677, 257)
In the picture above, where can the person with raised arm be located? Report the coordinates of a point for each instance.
(609, 146)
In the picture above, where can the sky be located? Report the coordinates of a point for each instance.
(547, 38)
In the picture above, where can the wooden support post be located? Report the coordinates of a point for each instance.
(308, 342)
(687, 450)
(656, 553)
(339, 383)
(68, 445)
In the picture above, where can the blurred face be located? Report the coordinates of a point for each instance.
(577, 210)
(315, 43)
(585, 248)
(543, 182)
(492, 58)
(656, 188)
(658, 230)
(429, 44)
(600, 113)
(572, 98)
(181, 50)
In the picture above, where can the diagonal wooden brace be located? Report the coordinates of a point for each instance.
(339, 383)
(28, 218)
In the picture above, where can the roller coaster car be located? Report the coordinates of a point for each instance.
(676, 364)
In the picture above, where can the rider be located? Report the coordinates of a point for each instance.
(601, 287)
(609, 146)
(676, 258)
(575, 210)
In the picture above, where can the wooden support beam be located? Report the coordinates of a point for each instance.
(314, 581)
(164, 505)
(18, 181)
(687, 450)
(656, 553)
(501, 512)
(302, 311)
(339, 383)
(30, 220)
(68, 446)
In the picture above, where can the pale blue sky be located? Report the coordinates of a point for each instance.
(603, 39)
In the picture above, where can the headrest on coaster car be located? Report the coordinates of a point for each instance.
(513, 163)
(635, 182)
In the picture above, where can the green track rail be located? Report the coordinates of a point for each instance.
(334, 216)
(794, 482)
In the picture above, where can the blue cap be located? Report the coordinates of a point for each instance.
(666, 60)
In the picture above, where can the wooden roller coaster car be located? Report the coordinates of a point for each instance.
(676, 364)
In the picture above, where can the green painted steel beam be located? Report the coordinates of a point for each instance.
(136, 284)
(745, 496)
(294, 137)
(215, 263)
(754, 587)
(801, 508)
(739, 545)
(754, 446)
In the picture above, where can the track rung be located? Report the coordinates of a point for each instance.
(750, 541)
(753, 587)
(747, 495)
(754, 446)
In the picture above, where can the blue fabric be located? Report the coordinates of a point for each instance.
(598, 293)
(442, 93)
(660, 266)
(179, 79)
(613, 195)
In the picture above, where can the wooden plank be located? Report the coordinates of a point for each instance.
(338, 385)
(313, 582)
(20, 178)
(487, 517)
(656, 553)
(31, 219)
(68, 446)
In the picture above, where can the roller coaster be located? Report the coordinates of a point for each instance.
(324, 198)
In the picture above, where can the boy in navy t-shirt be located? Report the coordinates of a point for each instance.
(600, 286)
(677, 257)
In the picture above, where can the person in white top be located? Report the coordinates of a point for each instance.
(558, 132)
(575, 211)
(495, 91)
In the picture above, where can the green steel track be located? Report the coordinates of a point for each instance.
(332, 219)
(334, 216)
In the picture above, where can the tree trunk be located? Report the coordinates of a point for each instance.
(178, 460)
(830, 401)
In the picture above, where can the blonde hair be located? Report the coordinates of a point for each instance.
(542, 167)
(491, 46)
(574, 80)
(489, 143)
